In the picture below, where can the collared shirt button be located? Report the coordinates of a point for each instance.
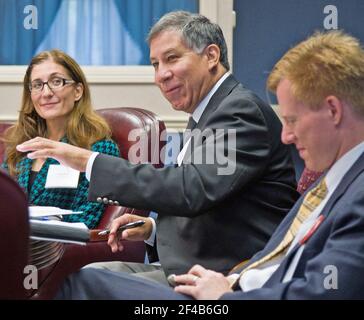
(99, 199)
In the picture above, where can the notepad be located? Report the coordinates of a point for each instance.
(60, 231)
(41, 211)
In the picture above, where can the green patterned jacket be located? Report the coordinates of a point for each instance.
(65, 198)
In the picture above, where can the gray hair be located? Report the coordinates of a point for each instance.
(196, 30)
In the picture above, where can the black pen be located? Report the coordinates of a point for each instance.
(124, 227)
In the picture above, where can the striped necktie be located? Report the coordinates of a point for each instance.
(311, 201)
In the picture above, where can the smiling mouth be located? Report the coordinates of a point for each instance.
(170, 90)
(47, 105)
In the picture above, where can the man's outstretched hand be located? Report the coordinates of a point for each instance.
(64, 153)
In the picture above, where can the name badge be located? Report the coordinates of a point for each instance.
(61, 177)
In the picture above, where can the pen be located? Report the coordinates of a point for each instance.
(124, 227)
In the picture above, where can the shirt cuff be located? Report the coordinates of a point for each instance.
(89, 165)
(233, 278)
(150, 240)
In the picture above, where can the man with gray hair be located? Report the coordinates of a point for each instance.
(205, 215)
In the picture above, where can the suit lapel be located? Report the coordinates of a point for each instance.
(346, 181)
(225, 88)
(349, 177)
(278, 234)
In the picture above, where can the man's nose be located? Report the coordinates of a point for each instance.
(287, 136)
(163, 74)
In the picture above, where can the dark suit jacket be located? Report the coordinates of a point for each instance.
(206, 218)
(337, 245)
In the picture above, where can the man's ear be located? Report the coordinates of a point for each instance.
(212, 52)
(335, 108)
(78, 91)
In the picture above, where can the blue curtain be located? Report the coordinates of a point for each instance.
(17, 44)
(94, 32)
(148, 11)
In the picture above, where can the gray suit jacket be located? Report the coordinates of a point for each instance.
(204, 217)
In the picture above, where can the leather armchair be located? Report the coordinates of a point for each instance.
(3, 127)
(121, 121)
(14, 235)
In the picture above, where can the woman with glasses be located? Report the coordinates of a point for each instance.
(56, 104)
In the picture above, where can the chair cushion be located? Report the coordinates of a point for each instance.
(14, 234)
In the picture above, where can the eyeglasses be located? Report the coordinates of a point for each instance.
(54, 83)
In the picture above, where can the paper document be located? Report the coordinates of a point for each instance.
(36, 211)
(59, 231)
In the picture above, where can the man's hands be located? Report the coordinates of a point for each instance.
(139, 233)
(64, 153)
(202, 284)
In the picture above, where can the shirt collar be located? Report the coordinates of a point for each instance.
(196, 115)
(342, 166)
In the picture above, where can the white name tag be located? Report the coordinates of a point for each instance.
(61, 177)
